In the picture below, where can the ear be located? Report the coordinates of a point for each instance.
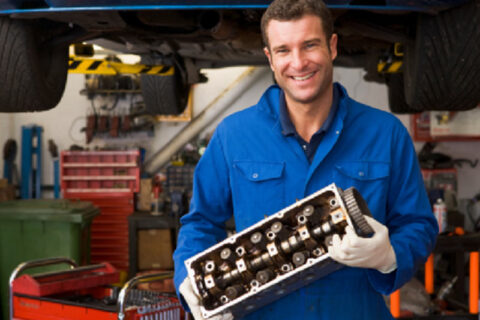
(333, 46)
(269, 57)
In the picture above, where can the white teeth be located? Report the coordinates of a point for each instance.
(304, 77)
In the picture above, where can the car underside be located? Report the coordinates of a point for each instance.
(216, 36)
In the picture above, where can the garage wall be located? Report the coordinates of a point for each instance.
(63, 124)
(6, 131)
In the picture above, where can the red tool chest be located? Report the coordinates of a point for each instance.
(108, 179)
(84, 293)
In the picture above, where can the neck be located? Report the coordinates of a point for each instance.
(308, 118)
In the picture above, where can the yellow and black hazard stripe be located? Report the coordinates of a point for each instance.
(389, 66)
(393, 62)
(99, 66)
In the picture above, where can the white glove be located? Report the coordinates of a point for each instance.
(375, 252)
(193, 302)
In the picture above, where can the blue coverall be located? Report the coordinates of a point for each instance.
(251, 170)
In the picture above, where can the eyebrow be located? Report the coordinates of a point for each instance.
(279, 47)
(314, 40)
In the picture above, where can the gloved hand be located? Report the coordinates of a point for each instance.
(193, 302)
(375, 252)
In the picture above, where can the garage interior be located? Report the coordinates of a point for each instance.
(110, 182)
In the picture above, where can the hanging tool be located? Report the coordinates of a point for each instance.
(9, 154)
(53, 149)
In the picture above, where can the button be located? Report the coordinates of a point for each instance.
(361, 173)
(337, 132)
(304, 147)
(255, 175)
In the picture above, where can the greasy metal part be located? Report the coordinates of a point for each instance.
(209, 266)
(226, 254)
(287, 267)
(271, 235)
(257, 238)
(357, 207)
(224, 299)
(264, 276)
(299, 258)
(308, 210)
(279, 229)
(234, 291)
(277, 255)
(317, 252)
(240, 251)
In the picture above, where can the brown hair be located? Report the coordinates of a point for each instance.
(286, 10)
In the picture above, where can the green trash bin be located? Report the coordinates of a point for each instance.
(36, 229)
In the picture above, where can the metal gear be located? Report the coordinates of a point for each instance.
(357, 208)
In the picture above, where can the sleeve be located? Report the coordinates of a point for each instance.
(412, 226)
(210, 207)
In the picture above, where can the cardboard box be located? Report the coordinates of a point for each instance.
(165, 285)
(155, 249)
(7, 192)
(144, 202)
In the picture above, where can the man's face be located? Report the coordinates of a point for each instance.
(300, 58)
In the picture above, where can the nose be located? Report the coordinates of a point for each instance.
(298, 60)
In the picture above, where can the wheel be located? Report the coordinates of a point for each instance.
(33, 72)
(357, 208)
(164, 95)
(396, 95)
(442, 66)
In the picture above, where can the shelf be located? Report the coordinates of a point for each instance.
(91, 190)
(99, 178)
(420, 128)
(100, 165)
(105, 91)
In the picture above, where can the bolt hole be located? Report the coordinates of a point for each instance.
(240, 251)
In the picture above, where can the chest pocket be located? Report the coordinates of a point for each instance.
(258, 190)
(260, 171)
(364, 170)
(369, 177)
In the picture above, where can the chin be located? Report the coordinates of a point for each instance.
(306, 98)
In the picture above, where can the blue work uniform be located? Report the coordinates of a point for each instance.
(251, 169)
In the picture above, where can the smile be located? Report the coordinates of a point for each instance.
(308, 76)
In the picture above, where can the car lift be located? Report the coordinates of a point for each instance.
(31, 171)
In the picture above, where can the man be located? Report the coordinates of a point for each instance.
(304, 134)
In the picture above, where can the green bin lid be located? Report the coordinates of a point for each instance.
(48, 209)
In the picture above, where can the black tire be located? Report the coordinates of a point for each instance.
(33, 74)
(357, 207)
(164, 95)
(396, 94)
(442, 67)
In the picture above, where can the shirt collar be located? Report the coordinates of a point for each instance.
(286, 123)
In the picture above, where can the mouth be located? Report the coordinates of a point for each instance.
(303, 78)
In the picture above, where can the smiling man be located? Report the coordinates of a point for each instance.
(303, 134)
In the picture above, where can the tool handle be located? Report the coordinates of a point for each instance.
(32, 264)
(132, 283)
